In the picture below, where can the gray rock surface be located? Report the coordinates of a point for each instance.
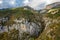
(26, 29)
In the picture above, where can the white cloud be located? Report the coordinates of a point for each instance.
(35, 3)
(51, 1)
(1, 1)
(12, 2)
(26, 2)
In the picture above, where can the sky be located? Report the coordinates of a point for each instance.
(36, 4)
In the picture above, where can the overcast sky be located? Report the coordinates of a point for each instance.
(36, 4)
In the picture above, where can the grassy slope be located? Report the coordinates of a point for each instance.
(19, 12)
(52, 32)
(16, 14)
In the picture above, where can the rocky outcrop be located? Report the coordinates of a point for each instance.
(24, 27)
(53, 5)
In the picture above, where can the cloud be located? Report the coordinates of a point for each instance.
(26, 2)
(36, 4)
(1, 1)
(7, 3)
(12, 2)
(51, 1)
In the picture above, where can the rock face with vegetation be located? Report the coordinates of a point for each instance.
(25, 23)
(20, 24)
(52, 25)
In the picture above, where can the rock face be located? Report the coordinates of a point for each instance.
(21, 24)
(29, 28)
(52, 25)
(53, 5)
(25, 28)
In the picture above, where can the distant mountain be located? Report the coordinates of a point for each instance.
(28, 7)
(53, 5)
(48, 7)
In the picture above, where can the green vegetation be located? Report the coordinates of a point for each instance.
(16, 14)
(55, 15)
(52, 32)
(13, 35)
